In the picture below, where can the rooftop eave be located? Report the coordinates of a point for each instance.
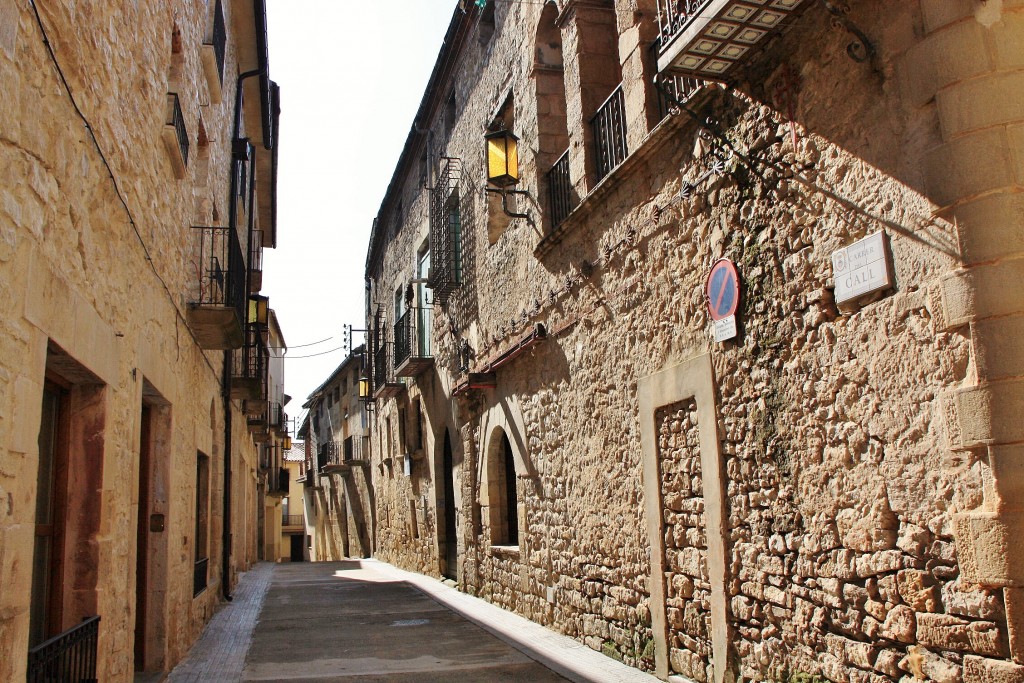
(720, 36)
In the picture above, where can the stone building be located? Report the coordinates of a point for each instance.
(338, 494)
(138, 193)
(272, 432)
(833, 490)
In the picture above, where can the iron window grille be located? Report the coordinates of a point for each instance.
(176, 118)
(609, 126)
(446, 230)
(560, 190)
(69, 656)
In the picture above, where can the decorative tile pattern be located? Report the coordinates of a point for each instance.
(718, 35)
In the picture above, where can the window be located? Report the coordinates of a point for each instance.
(201, 550)
(502, 496)
(486, 23)
(446, 230)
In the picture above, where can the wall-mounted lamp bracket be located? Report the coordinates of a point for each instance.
(504, 200)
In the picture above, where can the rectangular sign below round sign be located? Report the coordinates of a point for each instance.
(723, 295)
(725, 329)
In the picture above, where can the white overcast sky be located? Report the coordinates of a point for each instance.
(351, 74)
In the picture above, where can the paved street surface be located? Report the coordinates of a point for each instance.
(362, 621)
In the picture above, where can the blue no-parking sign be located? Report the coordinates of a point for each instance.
(723, 290)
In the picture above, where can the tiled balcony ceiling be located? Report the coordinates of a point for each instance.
(708, 39)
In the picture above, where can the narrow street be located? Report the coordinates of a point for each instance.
(367, 621)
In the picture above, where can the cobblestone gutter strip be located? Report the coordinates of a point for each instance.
(562, 654)
(219, 654)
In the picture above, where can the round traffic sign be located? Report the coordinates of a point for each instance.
(723, 289)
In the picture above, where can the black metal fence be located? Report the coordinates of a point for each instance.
(609, 125)
(200, 574)
(176, 118)
(250, 363)
(409, 339)
(221, 269)
(681, 88)
(560, 197)
(69, 657)
(675, 15)
(292, 520)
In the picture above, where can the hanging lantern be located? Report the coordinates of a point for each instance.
(502, 158)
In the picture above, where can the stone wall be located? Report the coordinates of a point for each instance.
(845, 488)
(95, 270)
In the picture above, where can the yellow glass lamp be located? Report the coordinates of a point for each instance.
(287, 443)
(364, 387)
(502, 158)
(259, 309)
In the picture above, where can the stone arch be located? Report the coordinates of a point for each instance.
(500, 490)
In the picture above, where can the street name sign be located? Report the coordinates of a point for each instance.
(862, 268)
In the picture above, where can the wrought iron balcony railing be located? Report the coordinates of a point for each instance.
(560, 198)
(609, 126)
(200, 575)
(249, 371)
(293, 520)
(707, 38)
(675, 15)
(412, 342)
(329, 454)
(217, 311)
(681, 89)
(70, 656)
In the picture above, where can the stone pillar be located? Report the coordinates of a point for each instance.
(592, 72)
(637, 32)
(971, 62)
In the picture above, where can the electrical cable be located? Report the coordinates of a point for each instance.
(314, 355)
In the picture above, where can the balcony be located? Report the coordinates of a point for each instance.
(293, 522)
(277, 483)
(216, 314)
(412, 343)
(249, 372)
(609, 126)
(384, 385)
(175, 136)
(334, 457)
(70, 656)
(213, 52)
(681, 89)
(257, 418)
(256, 262)
(708, 38)
(330, 458)
(560, 198)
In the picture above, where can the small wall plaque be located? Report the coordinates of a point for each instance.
(862, 268)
